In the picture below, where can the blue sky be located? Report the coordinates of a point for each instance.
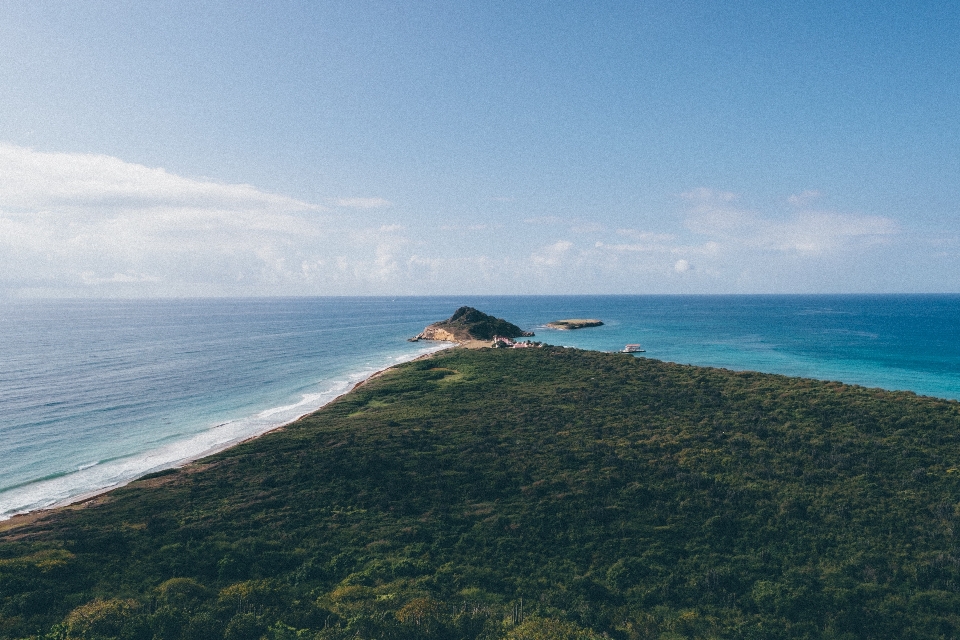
(355, 148)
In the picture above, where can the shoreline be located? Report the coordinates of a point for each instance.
(89, 498)
(390, 477)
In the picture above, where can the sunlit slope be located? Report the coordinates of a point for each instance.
(620, 495)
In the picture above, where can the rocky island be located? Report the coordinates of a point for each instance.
(467, 324)
(573, 323)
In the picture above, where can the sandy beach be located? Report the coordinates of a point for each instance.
(92, 498)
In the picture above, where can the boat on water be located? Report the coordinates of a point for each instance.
(633, 348)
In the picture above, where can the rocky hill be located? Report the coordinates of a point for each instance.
(468, 323)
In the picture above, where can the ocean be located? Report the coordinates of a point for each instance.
(96, 393)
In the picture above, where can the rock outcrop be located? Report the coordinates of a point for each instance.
(469, 324)
(573, 323)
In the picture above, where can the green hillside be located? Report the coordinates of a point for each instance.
(537, 493)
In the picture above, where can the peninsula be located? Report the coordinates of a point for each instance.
(525, 493)
(468, 324)
(574, 323)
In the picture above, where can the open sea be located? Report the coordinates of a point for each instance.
(96, 393)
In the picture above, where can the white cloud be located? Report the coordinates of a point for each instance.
(545, 220)
(721, 245)
(96, 225)
(552, 255)
(32, 179)
(80, 224)
(93, 221)
(646, 236)
(470, 227)
(703, 195)
(817, 232)
(586, 228)
(91, 278)
(803, 198)
(91, 225)
(803, 231)
(362, 203)
(627, 247)
(708, 248)
(644, 242)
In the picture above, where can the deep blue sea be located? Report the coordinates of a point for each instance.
(96, 393)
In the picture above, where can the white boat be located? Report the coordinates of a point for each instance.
(633, 348)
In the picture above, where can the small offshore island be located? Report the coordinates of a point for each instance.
(552, 493)
(469, 326)
(574, 323)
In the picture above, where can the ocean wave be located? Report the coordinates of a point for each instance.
(97, 477)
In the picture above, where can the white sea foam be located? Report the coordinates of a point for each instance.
(94, 478)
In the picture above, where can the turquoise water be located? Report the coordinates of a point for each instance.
(95, 393)
(894, 342)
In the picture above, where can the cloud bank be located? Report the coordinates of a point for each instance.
(33, 180)
(94, 225)
(802, 231)
(715, 244)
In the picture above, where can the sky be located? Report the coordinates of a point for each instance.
(181, 149)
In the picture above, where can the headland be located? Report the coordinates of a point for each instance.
(526, 493)
(469, 326)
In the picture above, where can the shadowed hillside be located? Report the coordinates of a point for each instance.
(541, 493)
(467, 324)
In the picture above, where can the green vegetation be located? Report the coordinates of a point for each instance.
(535, 493)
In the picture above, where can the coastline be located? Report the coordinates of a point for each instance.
(729, 350)
(87, 498)
(859, 340)
(93, 498)
(713, 453)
